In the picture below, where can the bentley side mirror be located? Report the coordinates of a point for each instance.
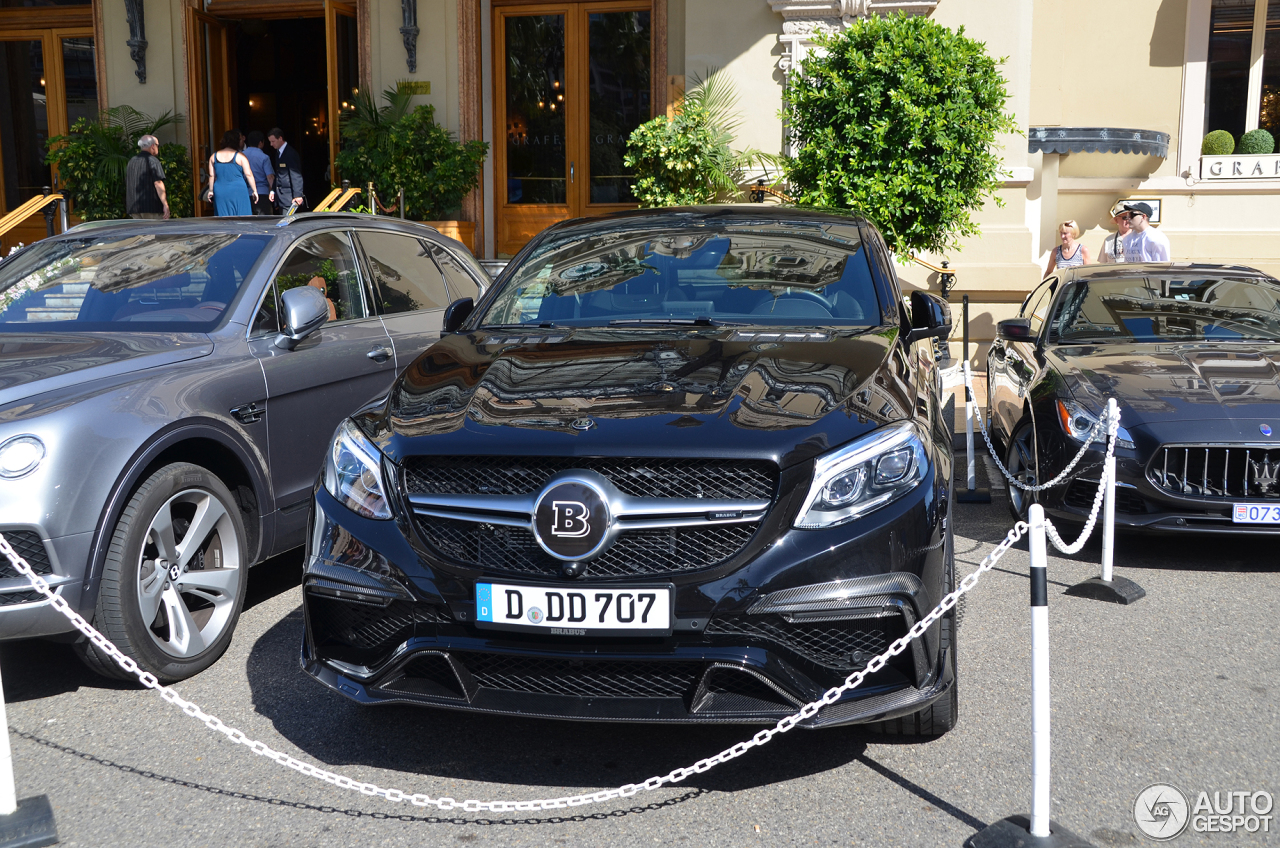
(1015, 330)
(304, 310)
(930, 317)
(457, 312)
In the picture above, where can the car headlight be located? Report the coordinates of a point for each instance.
(863, 476)
(353, 473)
(20, 456)
(1077, 422)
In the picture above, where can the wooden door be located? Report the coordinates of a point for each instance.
(210, 49)
(342, 56)
(571, 81)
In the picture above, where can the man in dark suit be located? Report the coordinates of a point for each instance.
(288, 187)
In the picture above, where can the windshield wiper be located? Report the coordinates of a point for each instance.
(700, 321)
(545, 325)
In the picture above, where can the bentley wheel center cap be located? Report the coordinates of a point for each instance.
(571, 519)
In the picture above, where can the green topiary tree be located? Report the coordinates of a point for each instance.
(92, 157)
(1256, 143)
(688, 159)
(397, 147)
(1218, 143)
(898, 119)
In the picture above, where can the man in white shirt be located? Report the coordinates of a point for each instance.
(1144, 242)
(1113, 245)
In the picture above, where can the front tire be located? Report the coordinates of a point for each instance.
(1020, 459)
(174, 579)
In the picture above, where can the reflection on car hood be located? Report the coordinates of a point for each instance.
(1187, 382)
(32, 364)
(584, 392)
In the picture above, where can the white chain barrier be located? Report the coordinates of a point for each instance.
(471, 806)
(1103, 423)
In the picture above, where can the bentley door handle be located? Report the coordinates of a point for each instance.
(379, 354)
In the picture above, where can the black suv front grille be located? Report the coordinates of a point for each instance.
(1216, 471)
(635, 553)
(642, 478)
(832, 644)
(582, 678)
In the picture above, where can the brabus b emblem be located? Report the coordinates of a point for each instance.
(571, 519)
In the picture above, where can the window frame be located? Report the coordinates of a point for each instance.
(270, 287)
(371, 291)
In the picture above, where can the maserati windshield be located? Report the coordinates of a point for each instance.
(136, 282)
(1168, 309)
(704, 275)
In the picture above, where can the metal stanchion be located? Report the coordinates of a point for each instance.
(49, 211)
(1038, 829)
(400, 203)
(373, 200)
(29, 822)
(1108, 587)
(971, 494)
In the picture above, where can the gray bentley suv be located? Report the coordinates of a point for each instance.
(167, 394)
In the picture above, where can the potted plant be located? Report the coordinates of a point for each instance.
(91, 161)
(399, 148)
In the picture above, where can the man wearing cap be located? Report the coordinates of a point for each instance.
(1113, 245)
(1144, 243)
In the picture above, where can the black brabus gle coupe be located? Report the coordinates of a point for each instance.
(684, 465)
(1192, 355)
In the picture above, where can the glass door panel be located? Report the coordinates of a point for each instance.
(24, 121)
(618, 61)
(535, 126)
(342, 52)
(80, 81)
(209, 95)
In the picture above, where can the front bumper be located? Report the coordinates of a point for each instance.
(24, 612)
(387, 624)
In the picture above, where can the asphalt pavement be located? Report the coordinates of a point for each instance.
(1180, 688)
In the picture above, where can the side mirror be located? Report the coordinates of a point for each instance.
(1015, 330)
(930, 317)
(457, 312)
(304, 309)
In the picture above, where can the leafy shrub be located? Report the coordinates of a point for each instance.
(1218, 143)
(897, 118)
(688, 159)
(92, 158)
(395, 148)
(1256, 143)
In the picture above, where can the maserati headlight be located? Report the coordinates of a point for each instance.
(1077, 422)
(20, 456)
(353, 473)
(863, 476)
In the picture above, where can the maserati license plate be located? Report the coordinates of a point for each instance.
(561, 611)
(1256, 513)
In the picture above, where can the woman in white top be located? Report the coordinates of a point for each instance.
(1071, 252)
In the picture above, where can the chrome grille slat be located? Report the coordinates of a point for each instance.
(1246, 471)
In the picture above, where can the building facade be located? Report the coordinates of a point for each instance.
(1112, 100)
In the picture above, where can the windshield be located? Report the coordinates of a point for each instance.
(1154, 309)
(140, 282)
(744, 273)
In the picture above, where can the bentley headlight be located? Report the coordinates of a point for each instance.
(863, 476)
(353, 473)
(20, 456)
(1077, 422)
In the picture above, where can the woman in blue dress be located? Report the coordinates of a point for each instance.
(232, 188)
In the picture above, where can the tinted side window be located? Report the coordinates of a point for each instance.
(327, 262)
(461, 283)
(266, 321)
(1037, 306)
(405, 279)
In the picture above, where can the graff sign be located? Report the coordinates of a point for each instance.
(1239, 167)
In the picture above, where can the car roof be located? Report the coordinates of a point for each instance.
(257, 224)
(1161, 269)
(722, 213)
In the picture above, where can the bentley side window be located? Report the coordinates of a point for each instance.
(405, 279)
(326, 261)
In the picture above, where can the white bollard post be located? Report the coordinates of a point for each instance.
(1109, 518)
(8, 791)
(971, 494)
(1039, 674)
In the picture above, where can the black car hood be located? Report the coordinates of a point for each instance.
(35, 363)
(646, 393)
(1159, 383)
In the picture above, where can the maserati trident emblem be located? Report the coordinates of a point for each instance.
(1264, 474)
(1265, 428)
(582, 423)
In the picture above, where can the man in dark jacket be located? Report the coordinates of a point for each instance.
(288, 187)
(144, 195)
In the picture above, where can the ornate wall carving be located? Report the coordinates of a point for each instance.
(803, 19)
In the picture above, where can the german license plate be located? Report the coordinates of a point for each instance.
(563, 611)
(1255, 513)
